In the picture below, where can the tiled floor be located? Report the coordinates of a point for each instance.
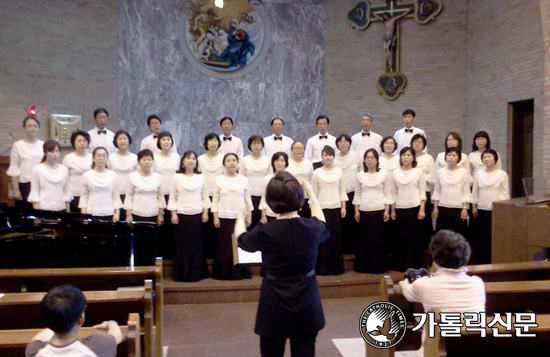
(228, 329)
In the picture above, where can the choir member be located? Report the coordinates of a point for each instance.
(25, 155)
(123, 162)
(144, 201)
(50, 188)
(277, 142)
(279, 162)
(211, 166)
(404, 135)
(425, 162)
(388, 160)
(100, 136)
(490, 185)
(329, 187)
(166, 164)
(229, 142)
(366, 138)
(452, 194)
(302, 169)
(231, 191)
(290, 305)
(372, 202)
(99, 189)
(481, 143)
(316, 143)
(453, 140)
(78, 162)
(189, 204)
(150, 141)
(255, 167)
(350, 163)
(408, 186)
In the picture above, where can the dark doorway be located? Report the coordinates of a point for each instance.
(520, 119)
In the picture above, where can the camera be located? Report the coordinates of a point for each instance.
(412, 274)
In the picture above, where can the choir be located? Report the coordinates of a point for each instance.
(380, 196)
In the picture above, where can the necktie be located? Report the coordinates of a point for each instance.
(226, 138)
(322, 137)
(102, 132)
(277, 138)
(367, 134)
(408, 130)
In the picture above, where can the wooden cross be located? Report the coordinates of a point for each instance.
(392, 82)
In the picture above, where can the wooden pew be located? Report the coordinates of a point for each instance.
(21, 310)
(539, 270)
(14, 342)
(111, 278)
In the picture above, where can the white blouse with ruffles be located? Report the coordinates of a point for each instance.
(189, 194)
(211, 169)
(23, 158)
(123, 165)
(408, 187)
(144, 195)
(373, 191)
(301, 170)
(426, 164)
(350, 164)
(99, 193)
(166, 167)
(229, 194)
(389, 165)
(329, 187)
(50, 187)
(255, 171)
(452, 188)
(77, 166)
(490, 187)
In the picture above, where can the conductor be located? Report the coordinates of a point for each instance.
(290, 305)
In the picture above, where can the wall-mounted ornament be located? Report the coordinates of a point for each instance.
(225, 42)
(392, 82)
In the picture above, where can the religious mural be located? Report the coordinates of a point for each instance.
(224, 39)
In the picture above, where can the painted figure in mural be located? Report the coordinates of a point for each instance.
(389, 37)
(202, 22)
(239, 46)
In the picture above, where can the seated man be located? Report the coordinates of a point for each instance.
(450, 289)
(62, 311)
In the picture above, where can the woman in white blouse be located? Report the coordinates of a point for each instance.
(453, 140)
(231, 191)
(255, 167)
(490, 185)
(481, 143)
(330, 190)
(452, 194)
(388, 160)
(50, 189)
(425, 163)
(351, 164)
(408, 186)
(123, 162)
(25, 155)
(99, 190)
(189, 204)
(372, 208)
(166, 164)
(78, 162)
(302, 169)
(279, 162)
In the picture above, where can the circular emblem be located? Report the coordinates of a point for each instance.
(382, 325)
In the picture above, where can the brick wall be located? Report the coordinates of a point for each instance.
(59, 55)
(433, 57)
(505, 64)
(544, 117)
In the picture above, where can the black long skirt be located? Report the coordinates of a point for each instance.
(350, 227)
(223, 268)
(481, 236)
(123, 211)
(372, 248)
(25, 189)
(256, 213)
(74, 204)
(189, 260)
(427, 223)
(144, 245)
(211, 234)
(409, 250)
(165, 247)
(329, 258)
(449, 218)
(306, 210)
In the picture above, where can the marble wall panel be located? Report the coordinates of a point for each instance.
(156, 77)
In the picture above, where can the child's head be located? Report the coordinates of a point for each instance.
(62, 308)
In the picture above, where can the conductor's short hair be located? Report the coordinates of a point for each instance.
(284, 193)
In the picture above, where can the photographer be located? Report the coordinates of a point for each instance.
(450, 288)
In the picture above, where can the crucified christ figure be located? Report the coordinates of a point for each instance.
(389, 37)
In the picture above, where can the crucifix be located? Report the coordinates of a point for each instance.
(392, 82)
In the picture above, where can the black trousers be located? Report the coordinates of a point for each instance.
(25, 189)
(303, 346)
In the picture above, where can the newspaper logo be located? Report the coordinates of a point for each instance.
(382, 325)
